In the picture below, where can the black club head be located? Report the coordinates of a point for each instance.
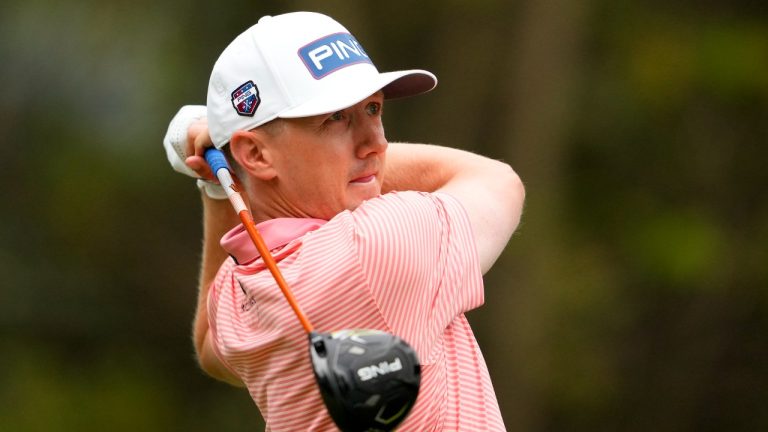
(369, 379)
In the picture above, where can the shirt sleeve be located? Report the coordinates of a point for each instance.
(419, 256)
(220, 289)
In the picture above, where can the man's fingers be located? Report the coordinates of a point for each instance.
(198, 138)
(202, 142)
(200, 166)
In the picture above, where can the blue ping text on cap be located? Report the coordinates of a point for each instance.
(331, 53)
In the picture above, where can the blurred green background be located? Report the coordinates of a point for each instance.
(634, 296)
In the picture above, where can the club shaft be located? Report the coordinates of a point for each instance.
(218, 164)
(269, 261)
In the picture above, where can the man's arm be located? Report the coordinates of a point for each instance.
(489, 190)
(218, 218)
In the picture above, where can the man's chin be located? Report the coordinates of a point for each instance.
(361, 198)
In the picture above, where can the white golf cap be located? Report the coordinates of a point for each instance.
(298, 64)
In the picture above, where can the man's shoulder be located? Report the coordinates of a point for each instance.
(403, 201)
(413, 204)
(400, 213)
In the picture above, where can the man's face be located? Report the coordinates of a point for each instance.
(332, 162)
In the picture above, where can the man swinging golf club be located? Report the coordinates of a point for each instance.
(367, 234)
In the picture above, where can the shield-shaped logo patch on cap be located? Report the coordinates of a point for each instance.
(245, 99)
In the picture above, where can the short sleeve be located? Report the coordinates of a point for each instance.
(221, 289)
(418, 254)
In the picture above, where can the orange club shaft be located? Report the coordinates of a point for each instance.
(269, 261)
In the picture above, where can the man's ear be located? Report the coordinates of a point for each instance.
(249, 149)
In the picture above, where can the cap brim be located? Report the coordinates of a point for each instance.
(393, 84)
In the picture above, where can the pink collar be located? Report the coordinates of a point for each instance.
(275, 232)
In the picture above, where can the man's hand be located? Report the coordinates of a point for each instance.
(185, 141)
(197, 141)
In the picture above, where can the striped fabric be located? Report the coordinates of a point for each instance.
(404, 262)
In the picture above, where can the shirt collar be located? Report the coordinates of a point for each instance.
(275, 232)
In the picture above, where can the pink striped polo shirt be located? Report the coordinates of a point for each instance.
(404, 262)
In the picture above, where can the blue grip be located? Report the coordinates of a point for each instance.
(215, 159)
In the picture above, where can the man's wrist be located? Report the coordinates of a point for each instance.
(213, 190)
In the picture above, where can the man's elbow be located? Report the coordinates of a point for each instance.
(514, 193)
(212, 366)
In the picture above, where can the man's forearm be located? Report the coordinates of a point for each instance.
(218, 218)
(422, 167)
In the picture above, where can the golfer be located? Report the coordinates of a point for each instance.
(368, 234)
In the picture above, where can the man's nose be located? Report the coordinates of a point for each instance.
(370, 138)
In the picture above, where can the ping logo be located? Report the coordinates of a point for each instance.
(245, 99)
(370, 372)
(331, 53)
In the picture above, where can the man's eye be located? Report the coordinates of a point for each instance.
(338, 115)
(373, 108)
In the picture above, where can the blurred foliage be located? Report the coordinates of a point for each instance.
(634, 296)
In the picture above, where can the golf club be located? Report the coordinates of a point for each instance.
(368, 379)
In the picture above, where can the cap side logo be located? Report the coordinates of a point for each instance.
(245, 99)
(331, 53)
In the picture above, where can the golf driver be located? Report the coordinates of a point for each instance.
(368, 379)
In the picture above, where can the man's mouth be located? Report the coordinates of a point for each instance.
(365, 179)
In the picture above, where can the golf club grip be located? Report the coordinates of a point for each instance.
(216, 160)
